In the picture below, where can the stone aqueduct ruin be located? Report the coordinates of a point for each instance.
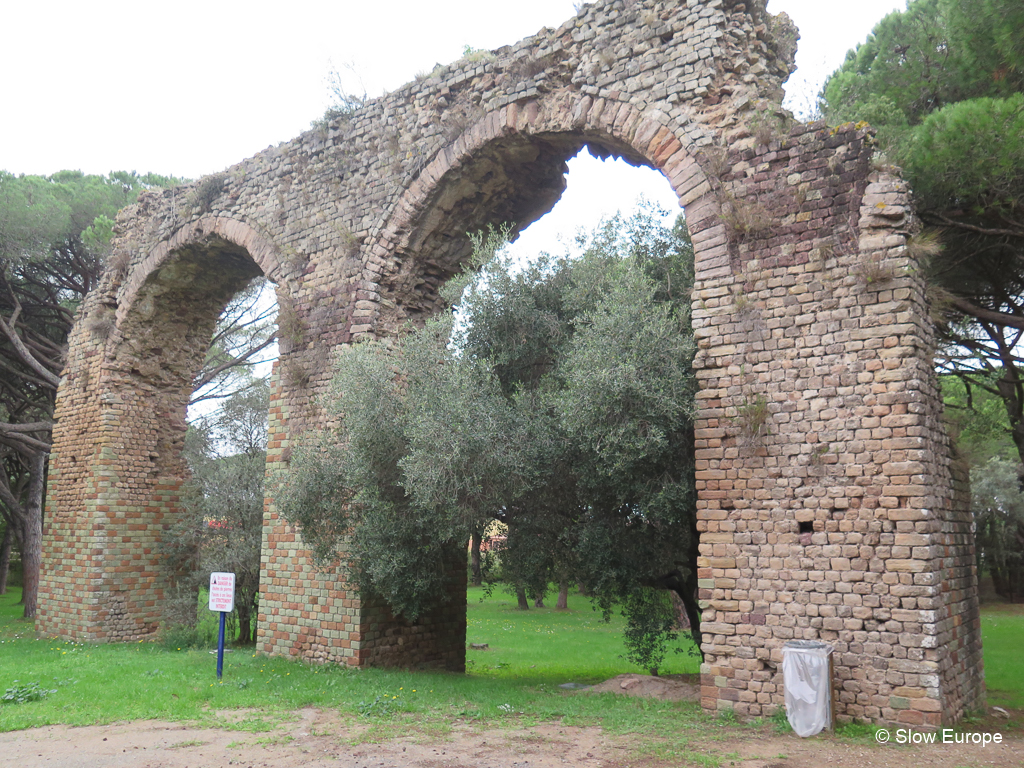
(838, 519)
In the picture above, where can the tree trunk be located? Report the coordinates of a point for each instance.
(563, 596)
(679, 611)
(999, 586)
(690, 589)
(245, 617)
(476, 540)
(32, 542)
(5, 559)
(1013, 566)
(539, 602)
(524, 604)
(1012, 393)
(683, 581)
(689, 598)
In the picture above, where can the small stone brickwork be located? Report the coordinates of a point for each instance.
(828, 504)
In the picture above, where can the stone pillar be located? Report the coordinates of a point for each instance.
(824, 474)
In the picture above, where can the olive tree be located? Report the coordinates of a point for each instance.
(555, 397)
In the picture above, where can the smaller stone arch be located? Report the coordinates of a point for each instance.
(116, 478)
(207, 229)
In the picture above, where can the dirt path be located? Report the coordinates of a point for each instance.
(318, 739)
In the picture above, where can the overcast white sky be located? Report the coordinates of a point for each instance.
(191, 87)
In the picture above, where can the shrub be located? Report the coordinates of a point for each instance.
(752, 419)
(650, 627)
(206, 190)
(20, 693)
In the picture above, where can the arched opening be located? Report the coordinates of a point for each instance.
(596, 189)
(167, 330)
(219, 526)
(197, 328)
(119, 475)
(511, 181)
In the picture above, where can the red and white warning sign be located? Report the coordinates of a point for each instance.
(222, 592)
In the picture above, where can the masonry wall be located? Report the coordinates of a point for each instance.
(827, 507)
(817, 404)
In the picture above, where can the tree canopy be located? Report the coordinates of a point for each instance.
(934, 54)
(943, 82)
(555, 397)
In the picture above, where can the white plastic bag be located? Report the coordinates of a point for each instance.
(805, 673)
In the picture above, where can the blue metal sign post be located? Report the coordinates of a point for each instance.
(220, 647)
(222, 600)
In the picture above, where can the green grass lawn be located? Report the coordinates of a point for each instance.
(543, 645)
(516, 680)
(1002, 630)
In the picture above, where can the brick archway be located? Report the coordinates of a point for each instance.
(508, 168)
(116, 468)
(829, 505)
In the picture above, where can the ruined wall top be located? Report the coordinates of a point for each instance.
(701, 62)
(318, 213)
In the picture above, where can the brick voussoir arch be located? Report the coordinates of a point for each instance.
(643, 135)
(239, 232)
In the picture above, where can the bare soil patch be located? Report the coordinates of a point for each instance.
(320, 738)
(665, 687)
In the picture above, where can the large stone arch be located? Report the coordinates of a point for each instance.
(829, 505)
(508, 168)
